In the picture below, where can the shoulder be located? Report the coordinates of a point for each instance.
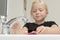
(29, 23)
(49, 23)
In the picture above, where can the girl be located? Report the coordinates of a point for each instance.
(39, 12)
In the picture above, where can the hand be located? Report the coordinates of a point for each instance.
(42, 30)
(17, 30)
(38, 30)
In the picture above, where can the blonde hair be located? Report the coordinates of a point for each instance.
(39, 1)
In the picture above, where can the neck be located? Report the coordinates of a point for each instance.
(39, 22)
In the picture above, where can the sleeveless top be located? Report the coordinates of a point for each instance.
(32, 26)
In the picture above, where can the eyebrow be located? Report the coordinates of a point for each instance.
(38, 8)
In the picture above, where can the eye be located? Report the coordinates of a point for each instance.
(40, 10)
(33, 11)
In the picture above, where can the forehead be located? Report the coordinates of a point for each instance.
(38, 5)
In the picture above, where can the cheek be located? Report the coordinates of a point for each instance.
(33, 14)
(44, 14)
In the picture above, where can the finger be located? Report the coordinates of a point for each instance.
(43, 31)
(39, 29)
(16, 25)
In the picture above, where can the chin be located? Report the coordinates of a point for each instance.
(39, 19)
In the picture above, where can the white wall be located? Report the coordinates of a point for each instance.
(54, 10)
(15, 8)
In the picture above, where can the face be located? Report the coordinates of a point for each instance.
(38, 12)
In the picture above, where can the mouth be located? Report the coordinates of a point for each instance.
(38, 16)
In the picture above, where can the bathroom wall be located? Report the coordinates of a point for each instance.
(15, 8)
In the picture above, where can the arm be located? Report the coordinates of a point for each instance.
(55, 29)
(48, 30)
